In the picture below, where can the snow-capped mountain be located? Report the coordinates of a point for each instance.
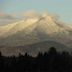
(35, 30)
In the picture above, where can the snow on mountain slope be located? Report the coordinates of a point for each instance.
(15, 27)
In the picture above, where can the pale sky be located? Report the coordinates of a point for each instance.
(61, 7)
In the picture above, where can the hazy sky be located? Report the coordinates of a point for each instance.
(61, 7)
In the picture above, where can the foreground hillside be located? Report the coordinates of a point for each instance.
(51, 61)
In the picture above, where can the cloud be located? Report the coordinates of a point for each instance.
(30, 14)
(2, 14)
(6, 16)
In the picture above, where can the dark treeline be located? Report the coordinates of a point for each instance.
(51, 61)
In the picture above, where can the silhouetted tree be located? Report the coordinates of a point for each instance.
(51, 61)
